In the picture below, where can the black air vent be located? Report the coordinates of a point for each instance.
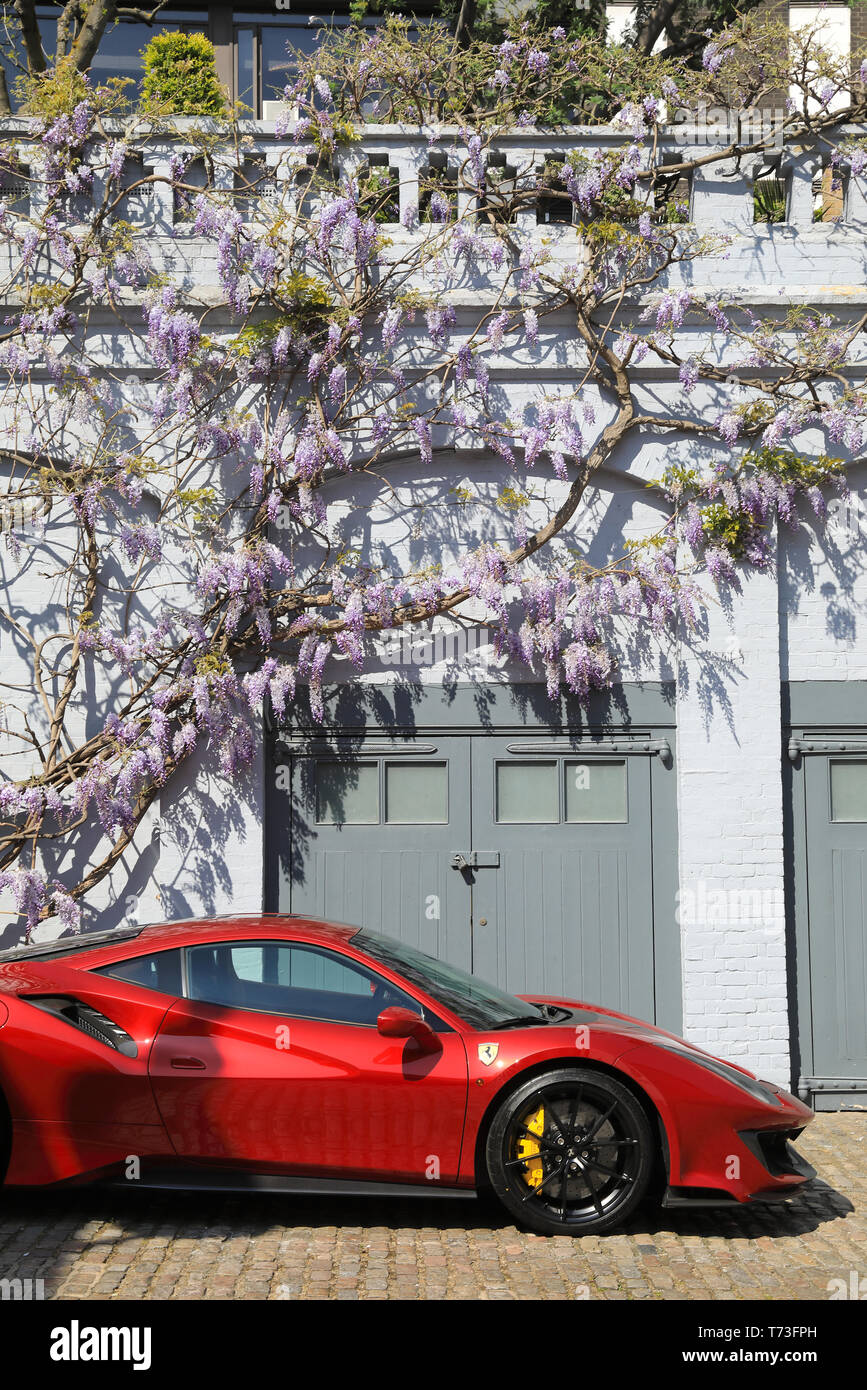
(88, 1020)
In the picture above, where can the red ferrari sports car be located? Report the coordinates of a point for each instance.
(295, 1055)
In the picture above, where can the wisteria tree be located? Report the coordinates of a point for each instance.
(176, 506)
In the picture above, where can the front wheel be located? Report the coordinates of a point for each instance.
(570, 1152)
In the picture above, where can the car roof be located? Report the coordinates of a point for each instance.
(87, 948)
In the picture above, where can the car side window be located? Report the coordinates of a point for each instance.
(290, 979)
(160, 971)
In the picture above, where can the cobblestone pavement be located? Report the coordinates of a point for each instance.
(104, 1245)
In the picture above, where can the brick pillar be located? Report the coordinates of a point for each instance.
(730, 815)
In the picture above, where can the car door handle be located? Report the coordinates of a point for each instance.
(188, 1063)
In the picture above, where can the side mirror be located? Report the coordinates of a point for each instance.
(396, 1022)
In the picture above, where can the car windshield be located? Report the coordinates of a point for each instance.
(477, 1003)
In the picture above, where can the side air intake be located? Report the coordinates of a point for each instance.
(86, 1019)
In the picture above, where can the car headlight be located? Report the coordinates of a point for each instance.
(759, 1090)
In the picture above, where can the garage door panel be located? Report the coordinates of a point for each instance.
(569, 909)
(836, 865)
(535, 871)
(376, 830)
(850, 1016)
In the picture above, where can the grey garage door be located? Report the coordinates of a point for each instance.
(373, 834)
(524, 860)
(835, 785)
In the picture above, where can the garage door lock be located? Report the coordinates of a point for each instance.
(477, 859)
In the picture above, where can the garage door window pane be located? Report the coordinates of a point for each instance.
(596, 792)
(347, 793)
(849, 791)
(416, 794)
(527, 793)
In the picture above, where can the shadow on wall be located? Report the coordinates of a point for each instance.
(130, 884)
(202, 812)
(176, 867)
(823, 589)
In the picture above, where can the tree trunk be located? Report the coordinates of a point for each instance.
(98, 15)
(466, 21)
(26, 12)
(653, 25)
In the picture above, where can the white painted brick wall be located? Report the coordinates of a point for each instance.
(211, 840)
(823, 592)
(731, 837)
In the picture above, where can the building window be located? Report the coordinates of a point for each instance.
(120, 49)
(347, 793)
(416, 793)
(527, 794)
(596, 792)
(264, 62)
(848, 790)
(252, 48)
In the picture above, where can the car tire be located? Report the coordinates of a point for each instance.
(570, 1152)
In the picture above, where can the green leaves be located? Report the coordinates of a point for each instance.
(181, 77)
(791, 467)
(726, 527)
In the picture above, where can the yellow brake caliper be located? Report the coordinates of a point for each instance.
(528, 1148)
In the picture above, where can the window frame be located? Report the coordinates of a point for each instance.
(577, 761)
(553, 762)
(253, 23)
(835, 760)
(439, 1025)
(561, 761)
(381, 763)
(107, 971)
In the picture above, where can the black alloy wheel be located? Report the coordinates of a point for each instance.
(570, 1152)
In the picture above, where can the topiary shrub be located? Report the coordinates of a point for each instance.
(181, 77)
